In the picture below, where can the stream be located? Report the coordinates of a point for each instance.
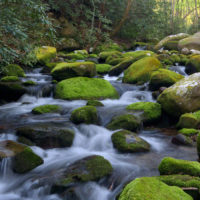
(89, 140)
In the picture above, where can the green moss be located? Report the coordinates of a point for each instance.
(105, 54)
(93, 55)
(83, 52)
(189, 120)
(94, 103)
(188, 131)
(164, 78)
(151, 111)
(194, 62)
(86, 114)
(26, 161)
(29, 83)
(111, 46)
(175, 58)
(114, 61)
(126, 141)
(51, 65)
(75, 56)
(171, 45)
(13, 70)
(148, 188)
(140, 71)
(85, 88)
(103, 68)
(10, 79)
(138, 54)
(68, 70)
(169, 166)
(45, 54)
(26, 141)
(183, 181)
(45, 109)
(127, 121)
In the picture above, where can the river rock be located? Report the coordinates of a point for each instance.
(140, 71)
(46, 109)
(85, 88)
(23, 158)
(94, 103)
(182, 97)
(47, 136)
(181, 139)
(105, 54)
(10, 79)
(127, 121)
(169, 166)
(13, 70)
(149, 188)
(86, 114)
(150, 111)
(194, 64)
(68, 70)
(103, 68)
(163, 78)
(169, 39)
(128, 142)
(191, 43)
(91, 168)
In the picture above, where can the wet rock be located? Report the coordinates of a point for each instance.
(46, 109)
(127, 121)
(10, 79)
(105, 54)
(103, 68)
(151, 188)
(47, 136)
(91, 168)
(169, 166)
(193, 64)
(85, 88)
(128, 142)
(94, 103)
(23, 158)
(13, 70)
(85, 114)
(182, 140)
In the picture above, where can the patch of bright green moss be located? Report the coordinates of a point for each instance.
(85, 88)
(188, 131)
(45, 109)
(13, 70)
(103, 68)
(29, 83)
(10, 79)
(105, 54)
(94, 103)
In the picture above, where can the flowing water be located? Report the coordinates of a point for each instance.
(89, 140)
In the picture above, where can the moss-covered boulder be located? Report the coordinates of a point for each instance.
(85, 88)
(191, 43)
(148, 188)
(45, 54)
(11, 91)
(189, 120)
(188, 131)
(138, 54)
(105, 54)
(182, 97)
(103, 68)
(181, 139)
(75, 56)
(10, 79)
(169, 166)
(91, 168)
(46, 109)
(128, 142)
(140, 72)
(127, 121)
(111, 60)
(29, 83)
(171, 45)
(22, 157)
(164, 78)
(94, 103)
(170, 38)
(69, 70)
(85, 114)
(13, 70)
(151, 112)
(46, 136)
(108, 46)
(193, 64)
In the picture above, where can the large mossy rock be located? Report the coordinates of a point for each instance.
(169, 166)
(148, 188)
(163, 78)
(189, 131)
(193, 64)
(127, 121)
(108, 46)
(91, 168)
(10, 79)
(103, 68)
(189, 120)
(46, 109)
(128, 142)
(169, 39)
(182, 97)
(23, 158)
(105, 54)
(85, 88)
(138, 54)
(11, 91)
(190, 43)
(13, 70)
(94, 103)
(69, 70)
(140, 72)
(45, 54)
(46, 136)
(85, 114)
(151, 112)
